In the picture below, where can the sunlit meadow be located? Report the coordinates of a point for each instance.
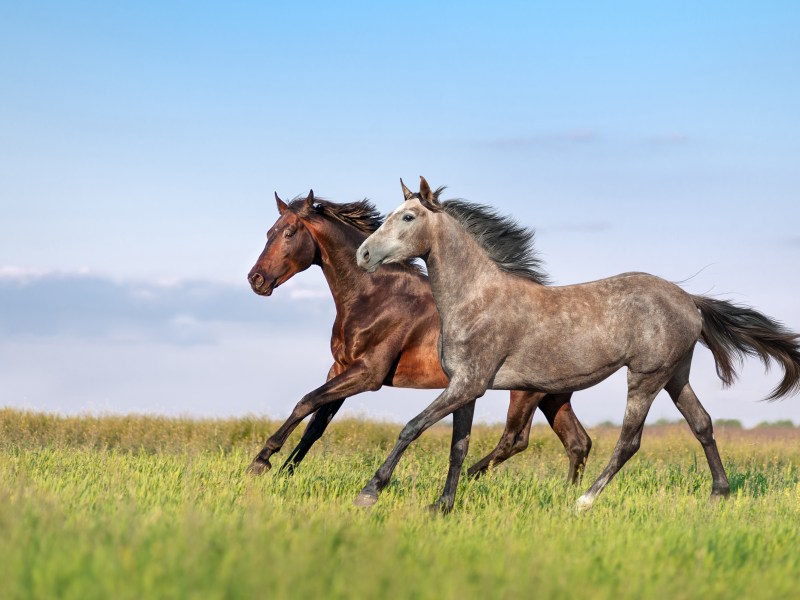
(143, 507)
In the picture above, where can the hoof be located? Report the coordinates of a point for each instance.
(287, 470)
(717, 495)
(584, 503)
(259, 466)
(365, 500)
(476, 474)
(440, 508)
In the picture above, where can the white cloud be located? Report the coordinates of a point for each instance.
(26, 274)
(544, 139)
(38, 302)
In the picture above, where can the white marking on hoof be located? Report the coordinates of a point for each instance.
(584, 503)
(365, 500)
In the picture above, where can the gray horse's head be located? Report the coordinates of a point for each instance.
(406, 233)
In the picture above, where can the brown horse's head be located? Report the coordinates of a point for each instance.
(290, 249)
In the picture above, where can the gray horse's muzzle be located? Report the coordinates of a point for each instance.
(366, 259)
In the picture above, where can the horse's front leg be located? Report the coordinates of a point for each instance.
(459, 393)
(316, 427)
(359, 377)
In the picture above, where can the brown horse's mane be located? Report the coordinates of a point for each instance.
(509, 244)
(361, 214)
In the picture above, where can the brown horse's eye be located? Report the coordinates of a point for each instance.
(289, 232)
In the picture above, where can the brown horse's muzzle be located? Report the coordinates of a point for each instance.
(260, 285)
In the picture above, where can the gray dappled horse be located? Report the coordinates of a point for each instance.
(559, 338)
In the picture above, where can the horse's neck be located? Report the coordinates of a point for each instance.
(337, 248)
(457, 266)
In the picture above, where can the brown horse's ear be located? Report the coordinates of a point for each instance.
(407, 193)
(425, 191)
(282, 206)
(310, 199)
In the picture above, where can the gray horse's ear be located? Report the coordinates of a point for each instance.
(282, 206)
(407, 193)
(425, 191)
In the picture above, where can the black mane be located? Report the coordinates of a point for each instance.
(507, 243)
(361, 214)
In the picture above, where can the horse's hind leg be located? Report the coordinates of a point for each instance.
(685, 399)
(462, 425)
(558, 411)
(642, 390)
(515, 436)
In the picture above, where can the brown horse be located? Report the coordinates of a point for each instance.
(560, 339)
(385, 332)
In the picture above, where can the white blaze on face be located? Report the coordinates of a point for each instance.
(392, 222)
(400, 208)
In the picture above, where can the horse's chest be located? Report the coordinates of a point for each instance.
(341, 350)
(348, 342)
(339, 341)
(468, 344)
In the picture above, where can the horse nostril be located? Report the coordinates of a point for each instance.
(365, 255)
(256, 279)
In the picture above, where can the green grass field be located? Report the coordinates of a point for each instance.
(138, 507)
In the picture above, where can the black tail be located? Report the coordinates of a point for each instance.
(733, 332)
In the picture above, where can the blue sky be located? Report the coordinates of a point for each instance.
(140, 146)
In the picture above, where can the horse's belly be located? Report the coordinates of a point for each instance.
(552, 379)
(419, 369)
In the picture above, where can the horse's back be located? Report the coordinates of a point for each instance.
(582, 333)
(651, 315)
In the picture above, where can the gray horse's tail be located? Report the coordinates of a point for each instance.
(732, 332)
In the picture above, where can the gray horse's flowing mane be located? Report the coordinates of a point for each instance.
(507, 243)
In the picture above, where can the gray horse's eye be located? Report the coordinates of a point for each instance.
(408, 218)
